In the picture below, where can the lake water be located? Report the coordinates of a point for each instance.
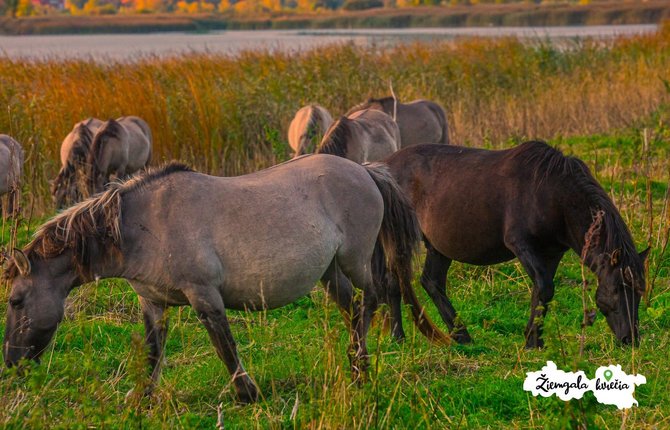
(130, 47)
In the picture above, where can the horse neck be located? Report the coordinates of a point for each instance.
(590, 224)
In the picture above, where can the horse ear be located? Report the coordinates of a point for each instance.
(22, 262)
(614, 258)
(644, 254)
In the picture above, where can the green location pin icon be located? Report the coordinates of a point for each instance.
(608, 374)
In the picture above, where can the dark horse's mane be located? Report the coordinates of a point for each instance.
(372, 102)
(336, 138)
(546, 161)
(91, 228)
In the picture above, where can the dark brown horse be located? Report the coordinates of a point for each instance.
(530, 202)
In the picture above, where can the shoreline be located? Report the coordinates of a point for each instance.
(505, 15)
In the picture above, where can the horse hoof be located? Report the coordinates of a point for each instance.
(248, 394)
(461, 336)
(535, 344)
(399, 337)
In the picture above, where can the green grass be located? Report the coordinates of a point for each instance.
(299, 352)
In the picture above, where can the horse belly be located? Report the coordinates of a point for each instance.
(467, 239)
(271, 280)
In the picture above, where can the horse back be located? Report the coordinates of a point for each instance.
(139, 142)
(269, 235)
(468, 201)
(376, 134)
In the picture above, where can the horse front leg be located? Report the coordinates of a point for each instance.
(155, 334)
(541, 268)
(212, 314)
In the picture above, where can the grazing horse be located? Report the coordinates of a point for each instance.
(258, 241)
(530, 202)
(307, 129)
(420, 121)
(120, 147)
(69, 187)
(11, 169)
(366, 135)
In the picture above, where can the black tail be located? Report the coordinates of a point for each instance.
(399, 236)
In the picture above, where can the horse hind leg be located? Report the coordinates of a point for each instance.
(341, 291)
(212, 313)
(361, 277)
(433, 280)
(390, 288)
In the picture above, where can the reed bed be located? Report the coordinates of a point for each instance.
(228, 115)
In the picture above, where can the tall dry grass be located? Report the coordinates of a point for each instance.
(229, 114)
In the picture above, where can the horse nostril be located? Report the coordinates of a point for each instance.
(626, 340)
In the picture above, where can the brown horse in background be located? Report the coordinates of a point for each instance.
(530, 202)
(420, 121)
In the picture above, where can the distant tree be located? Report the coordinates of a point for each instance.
(362, 4)
(10, 7)
(306, 5)
(24, 8)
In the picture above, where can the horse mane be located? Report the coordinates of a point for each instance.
(544, 161)
(92, 228)
(370, 102)
(336, 139)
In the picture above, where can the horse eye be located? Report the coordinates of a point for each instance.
(16, 303)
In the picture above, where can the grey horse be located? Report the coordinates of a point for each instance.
(420, 121)
(258, 241)
(11, 170)
(307, 128)
(363, 136)
(69, 187)
(120, 147)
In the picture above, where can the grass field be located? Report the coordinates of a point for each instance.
(606, 103)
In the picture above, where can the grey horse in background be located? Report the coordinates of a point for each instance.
(252, 242)
(70, 186)
(120, 147)
(11, 170)
(363, 136)
(420, 121)
(308, 128)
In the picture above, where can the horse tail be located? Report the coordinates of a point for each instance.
(438, 111)
(307, 139)
(399, 236)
